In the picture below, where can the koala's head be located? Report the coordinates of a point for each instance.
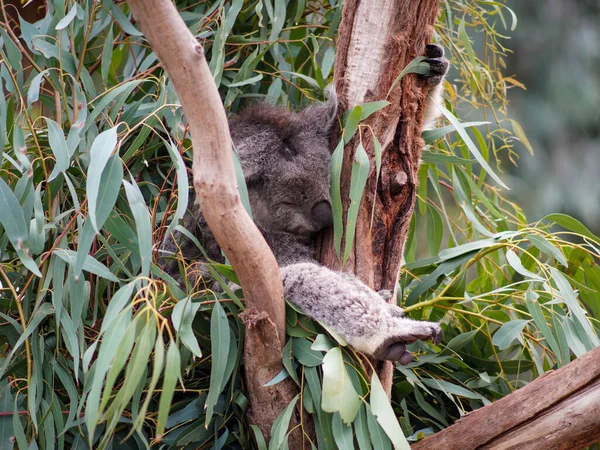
(285, 158)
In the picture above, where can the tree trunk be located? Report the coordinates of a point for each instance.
(560, 411)
(214, 180)
(376, 41)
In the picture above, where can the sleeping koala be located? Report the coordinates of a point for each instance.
(285, 158)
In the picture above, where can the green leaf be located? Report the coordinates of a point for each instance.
(417, 65)
(358, 180)
(241, 182)
(569, 297)
(430, 136)
(342, 433)
(58, 144)
(452, 389)
(108, 192)
(378, 437)
(123, 21)
(172, 372)
(322, 343)
(53, 51)
(90, 265)
(458, 342)
(13, 221)
(569, 327)
(520, 134)
(6, 421)
(102, 149)
(509, 332)
(384, 413)
(464, 38)
(534, 308)
(251, 80)
(517, 265)
(157, 367)
(440, 158)
(377, 150)
(338, 393)
(546, 247)
(33, 93)
(65, 21)
(469, 143)
(288, 362)
(68, 332)
(337, 159)
(351, 124)
(109, 97)
(281, 425)
(3, 120)
(258, 436)
(40, 314)
(219, 337)
(107, 52)
(142, 223)
(362, 429)
(371, 108)
(460, 250)
(183, 315)
(304, 354)
(571, 224)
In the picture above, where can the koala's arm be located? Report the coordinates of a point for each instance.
(438, 67)
(354, 311)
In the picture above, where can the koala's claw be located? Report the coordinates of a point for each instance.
(394, 348)
(438, 65)
(434, 51)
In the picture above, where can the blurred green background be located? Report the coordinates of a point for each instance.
(556, 54)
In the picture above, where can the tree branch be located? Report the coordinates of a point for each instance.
(558, 411)
(216, 189)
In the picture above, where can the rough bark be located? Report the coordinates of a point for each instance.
(214, 180)
(560, 411)
(377, 39)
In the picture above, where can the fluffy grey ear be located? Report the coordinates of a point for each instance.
(323, 115)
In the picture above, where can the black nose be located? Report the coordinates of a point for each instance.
(321, 215)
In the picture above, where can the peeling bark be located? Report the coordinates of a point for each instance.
(376, 41)
(261, 345)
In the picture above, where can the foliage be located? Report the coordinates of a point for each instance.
(103, 350)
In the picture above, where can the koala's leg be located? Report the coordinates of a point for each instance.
(438, 68)
(357, 313)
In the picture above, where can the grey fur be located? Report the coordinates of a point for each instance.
(285, 158)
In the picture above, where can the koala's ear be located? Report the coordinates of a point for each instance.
(323, 115)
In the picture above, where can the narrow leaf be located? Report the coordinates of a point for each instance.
(470, 144)
(384, 413)
(219, 336)
(358, 180)
(143, 227)
(102, 149)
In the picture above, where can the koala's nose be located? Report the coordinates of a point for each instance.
(321, 215)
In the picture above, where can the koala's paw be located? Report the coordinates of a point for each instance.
(394, 347)
(438, 65)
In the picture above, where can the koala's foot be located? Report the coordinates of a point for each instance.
(438, 65)
(393, 347)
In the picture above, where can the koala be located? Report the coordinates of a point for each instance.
(285, 159)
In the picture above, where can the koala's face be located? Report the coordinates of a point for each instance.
(285, 157)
